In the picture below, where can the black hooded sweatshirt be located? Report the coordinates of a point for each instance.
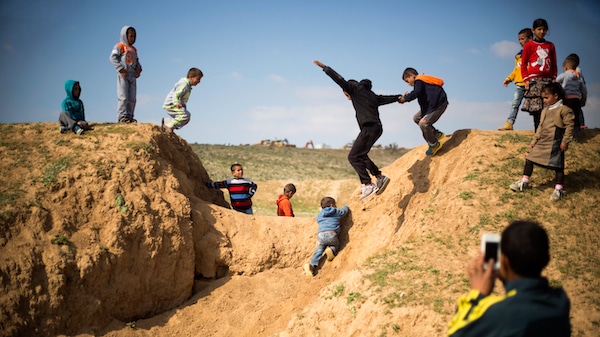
(366, 103)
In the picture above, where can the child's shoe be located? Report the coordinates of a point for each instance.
(331, 254)
(310, 270)
(508, 126)
(556, 195)
(519, 186)
(63, 129)
(433, 149)
(440, 135)
(78, 130)
(367, 190)
(382, 182)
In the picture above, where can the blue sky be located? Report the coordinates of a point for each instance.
(260, 82)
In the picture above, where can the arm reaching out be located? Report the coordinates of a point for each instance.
(319, 63)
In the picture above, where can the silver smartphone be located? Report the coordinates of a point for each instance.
(490, 247)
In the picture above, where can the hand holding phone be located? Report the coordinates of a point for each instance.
(490, 248)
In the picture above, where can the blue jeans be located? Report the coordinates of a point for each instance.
(324, 240)
(516, 103)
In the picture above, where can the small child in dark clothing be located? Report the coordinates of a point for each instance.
(240, 189)
(327, 234)
(73, 115)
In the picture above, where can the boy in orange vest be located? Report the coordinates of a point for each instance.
(433, 102)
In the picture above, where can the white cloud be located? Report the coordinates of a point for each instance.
(474, 51)
(310, 94)
(505, 48)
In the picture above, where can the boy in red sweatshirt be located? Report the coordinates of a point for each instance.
(284, 206)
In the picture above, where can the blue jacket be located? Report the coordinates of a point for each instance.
(73, 105)
(429, 96)
(329, 218)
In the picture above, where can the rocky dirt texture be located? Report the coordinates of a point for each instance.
(113, 233)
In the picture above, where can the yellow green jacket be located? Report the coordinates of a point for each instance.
(530, 308)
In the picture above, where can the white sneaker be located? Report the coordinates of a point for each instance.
(519, 186)
(367, 190)
(556, 195)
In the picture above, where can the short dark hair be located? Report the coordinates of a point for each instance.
(234, 165)
(570, 63)
(194, 72)
(540, 23)
(527, 32)
(554, 88)
(526, 245)
(327, 201)
(289, 188)
(575, 59)
(409, 72)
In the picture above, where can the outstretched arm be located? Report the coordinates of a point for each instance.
(319, 64)
(337, 78)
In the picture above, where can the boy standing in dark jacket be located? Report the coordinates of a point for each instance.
(366, 104)
(433, 102)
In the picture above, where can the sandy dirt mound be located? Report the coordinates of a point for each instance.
(116, 235)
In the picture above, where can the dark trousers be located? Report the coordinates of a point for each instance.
(359, 154)
(559, 177)
(575, 105)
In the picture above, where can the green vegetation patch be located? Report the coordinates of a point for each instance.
(51, 172)
(402, 278)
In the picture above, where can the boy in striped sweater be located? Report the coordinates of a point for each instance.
(240, 189)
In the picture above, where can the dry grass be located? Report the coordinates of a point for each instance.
(315, 172)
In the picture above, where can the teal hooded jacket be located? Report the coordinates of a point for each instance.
(73, 105)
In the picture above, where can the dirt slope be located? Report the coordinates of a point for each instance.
(173, 262)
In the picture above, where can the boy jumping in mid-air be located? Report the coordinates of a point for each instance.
(366, 104)
(433, 102)
(176, 102)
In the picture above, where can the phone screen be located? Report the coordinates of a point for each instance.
(491, 251)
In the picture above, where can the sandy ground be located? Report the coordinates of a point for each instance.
(175, 263)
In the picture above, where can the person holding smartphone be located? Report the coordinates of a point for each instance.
(529, 307)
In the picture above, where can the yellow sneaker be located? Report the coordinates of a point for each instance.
(508, 126)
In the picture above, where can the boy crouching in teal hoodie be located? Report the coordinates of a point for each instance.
(73, 115)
